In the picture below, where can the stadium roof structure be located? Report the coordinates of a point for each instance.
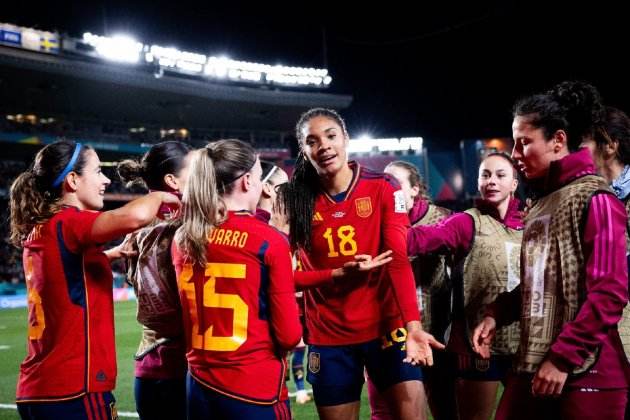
(62, 85)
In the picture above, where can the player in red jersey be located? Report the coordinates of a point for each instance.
(70, 369)
(273, 178)
(343, 210)
(278, 218)
(236, 285)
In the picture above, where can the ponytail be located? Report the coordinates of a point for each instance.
(203, 208)
(28, 207)
(213, 170)
(35, 195)
(161, 159)
(131, 173)
(301, 202)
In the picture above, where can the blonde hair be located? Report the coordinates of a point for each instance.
(213, 170)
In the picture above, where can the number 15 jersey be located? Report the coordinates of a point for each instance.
(240, 314)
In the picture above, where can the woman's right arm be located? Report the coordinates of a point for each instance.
(133, 215)
(505, 310)
(361, 264)
(454, 234)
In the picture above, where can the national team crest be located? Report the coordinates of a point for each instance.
(313, 362)
(364, 206)
(482, 365)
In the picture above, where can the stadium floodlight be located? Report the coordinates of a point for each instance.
(121, 48)
(125, 49)
(366, 144)
(174, 58)
(217, 66)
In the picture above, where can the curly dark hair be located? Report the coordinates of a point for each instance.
(573, 106)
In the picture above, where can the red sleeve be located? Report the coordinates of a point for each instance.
(309, 279)
(77, 229)
(395, 224)
(285, 322)
(606, 283)
(453, 234)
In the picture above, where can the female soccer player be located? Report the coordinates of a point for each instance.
(574, 282)
(372, 320)
(272, 208)
(485, 245)
(70, 369)
(160, 367)
(610, 148)
(273, 178)
(235, 280)
(433, 288)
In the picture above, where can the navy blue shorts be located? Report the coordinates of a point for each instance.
(92, 406)
(205, 404)
(337, 372)
(475, 368)
(160, 398)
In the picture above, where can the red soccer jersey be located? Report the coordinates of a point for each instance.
(370, 219)
(240, 313)
(71, 347)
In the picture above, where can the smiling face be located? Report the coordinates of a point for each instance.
(496, 180)
(324, 145)
(91, 184)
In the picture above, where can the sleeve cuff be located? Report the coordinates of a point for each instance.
(491, 311)
(559, 362)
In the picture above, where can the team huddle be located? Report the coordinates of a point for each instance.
(235, 265)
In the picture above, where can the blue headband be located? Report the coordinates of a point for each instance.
(68, 167)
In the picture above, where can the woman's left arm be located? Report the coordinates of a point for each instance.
(604, 245)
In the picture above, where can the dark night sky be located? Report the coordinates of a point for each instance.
(444, 72)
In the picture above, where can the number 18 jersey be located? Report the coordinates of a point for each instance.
(370, 219)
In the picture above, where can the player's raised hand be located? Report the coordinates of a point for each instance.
(419, 345)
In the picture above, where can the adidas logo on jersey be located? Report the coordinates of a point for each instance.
(317, 217)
